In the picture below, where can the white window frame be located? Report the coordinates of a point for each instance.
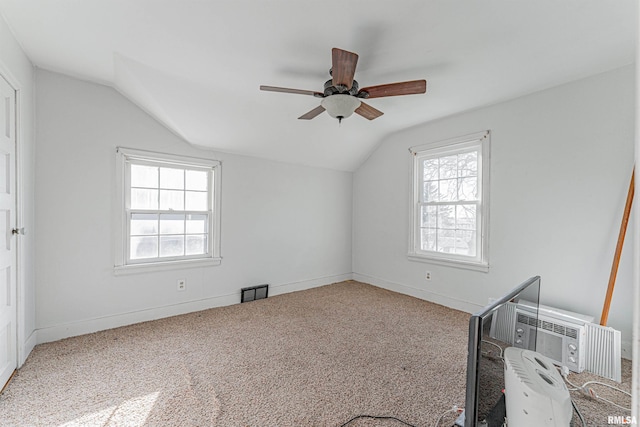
(482, 140)
(123, 264)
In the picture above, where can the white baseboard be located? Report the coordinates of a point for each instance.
(27, 347)
(58, 332)
(424, 294)
(308, 284)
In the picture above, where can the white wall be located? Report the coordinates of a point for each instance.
(561, 161)
(17, 69)
(286, 225)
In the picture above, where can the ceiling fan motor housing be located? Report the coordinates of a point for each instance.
(330, 89)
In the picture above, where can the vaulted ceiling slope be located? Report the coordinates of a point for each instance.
(196, 66)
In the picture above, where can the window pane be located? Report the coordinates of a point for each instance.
(429, 216)
(196, 200)
(448, 167)
(466, 243)
(466, 217)
(197, 180)
(172, 178)
(144, 247)
(144, 176)
(448, 190)
(171, 200)
(430, 191)
(428, 241)
(172, 224)
(142, 224)
(447, 217)
(142, 198)
(468, 164)
(468, 189)
(171, 246)
(197, 245)
(446, 241)
(197, 224)
(430, 169)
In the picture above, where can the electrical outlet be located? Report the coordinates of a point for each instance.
(427, 275)
(182, 285)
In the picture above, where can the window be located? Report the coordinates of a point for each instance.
(169, 210)
(450, 215)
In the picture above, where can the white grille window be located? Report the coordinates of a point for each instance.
(169, 210)
(450, 201)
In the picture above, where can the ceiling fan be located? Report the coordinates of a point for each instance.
(342, 96)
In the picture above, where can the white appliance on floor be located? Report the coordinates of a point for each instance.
(535, 393)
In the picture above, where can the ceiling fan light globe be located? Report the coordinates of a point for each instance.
(340, 106)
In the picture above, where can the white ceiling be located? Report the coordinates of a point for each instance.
(196, 66)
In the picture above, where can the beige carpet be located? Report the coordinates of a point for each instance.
(312, 358)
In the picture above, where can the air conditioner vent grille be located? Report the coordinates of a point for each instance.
(528, 320)
(549, 326)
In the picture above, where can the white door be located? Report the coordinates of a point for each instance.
(8, 287)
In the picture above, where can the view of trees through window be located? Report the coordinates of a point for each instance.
(449, 203)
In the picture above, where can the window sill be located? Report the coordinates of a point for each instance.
(164, 266)
(450, 263)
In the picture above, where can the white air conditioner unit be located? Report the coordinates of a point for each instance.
(568, 339)
(559, 339)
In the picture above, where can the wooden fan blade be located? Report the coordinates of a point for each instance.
(368, 112)
(394, 89)
(343, 67)
(311, 114)
(296, 91)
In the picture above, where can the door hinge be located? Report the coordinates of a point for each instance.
(17, 231)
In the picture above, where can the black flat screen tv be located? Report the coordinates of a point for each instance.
(484, 402)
